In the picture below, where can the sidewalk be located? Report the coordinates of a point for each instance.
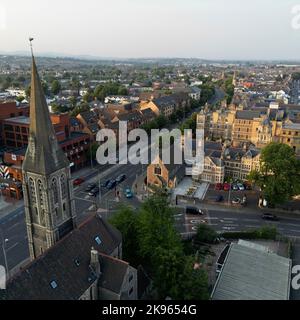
(139, 188)
(7, 205)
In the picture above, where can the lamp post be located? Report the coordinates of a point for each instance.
(3, 242)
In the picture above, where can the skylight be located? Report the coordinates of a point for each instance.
(53, 284)
(98, 240)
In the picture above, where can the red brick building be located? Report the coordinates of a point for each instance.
(75, 144)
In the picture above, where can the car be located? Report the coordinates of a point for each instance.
(78, 181)
(269, 216)
(193, 210)
(236, 201)
(219, 198)
(226, 186)
(90, 186)
(128, 193)
(94, 192)
(248, 186)
(235, 187)
(121, 178)
(105, 183)
(111, 184)
(241, 186)
(219, 186)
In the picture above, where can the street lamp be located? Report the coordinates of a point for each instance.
(4, 241)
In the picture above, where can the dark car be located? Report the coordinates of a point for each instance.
(94, 192)
(269, 216)
(193, 210)
(111, 184)
(105, 183)
(90, 186)
(219, 198)
(121, 178)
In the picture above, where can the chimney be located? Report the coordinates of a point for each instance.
(95, 263)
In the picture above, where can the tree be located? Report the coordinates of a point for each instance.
(20, 98)
(205, 234)
(193, 281)
(156, 228)
(55, 87)
(279, 174)
(81, 108)
(126, 222)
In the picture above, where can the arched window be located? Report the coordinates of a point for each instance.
(63, 186)
(54, 190)
(40, 188)
(32, 190)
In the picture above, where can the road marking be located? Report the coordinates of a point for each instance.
(249, 226)
(233, 219)
(14, 245)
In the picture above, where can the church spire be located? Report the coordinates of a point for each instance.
(43, 153)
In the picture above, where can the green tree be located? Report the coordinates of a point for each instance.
(205, 234)
(279, 174)
(193, 281)
(55, 87)
(126, 222)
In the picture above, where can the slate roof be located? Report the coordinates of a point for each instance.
(247, 114)
(58, 264)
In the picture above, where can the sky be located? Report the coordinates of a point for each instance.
(208, 29)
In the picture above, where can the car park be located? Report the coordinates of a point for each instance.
(193, 210)
(120, 178)
(269, 216)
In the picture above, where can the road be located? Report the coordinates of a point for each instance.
(226, 219)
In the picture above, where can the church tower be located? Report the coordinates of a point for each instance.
(48, 194)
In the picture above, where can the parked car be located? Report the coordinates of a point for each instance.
(226, 186)
(241, 186)
(193, 210)
(219, 186)
(269, 216)
(128, 193)
(236, 201)
(234, 187)
(219, 198)
(111, 184)
(94, 192)
(78, 181)
(90, 186)
(248, 186)
(105, 183)
(121, 178)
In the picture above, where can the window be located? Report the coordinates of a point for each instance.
(40, 188)
(130, 278)
(53, 284)
(32, 190)
(130, 291)
(54, 190)
(77, 262)
(63, 185)
(98, 240)
(157, 170)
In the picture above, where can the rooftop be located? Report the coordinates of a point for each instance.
(253, 272)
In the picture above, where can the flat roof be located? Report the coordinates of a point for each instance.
(20, 119)
(253, 272)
